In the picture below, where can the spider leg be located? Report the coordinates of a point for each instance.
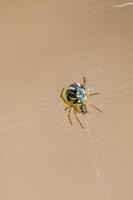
(69, 117)
(61, 95)
(93, 94)
(75, 113)
(84, 81)
(95, 107)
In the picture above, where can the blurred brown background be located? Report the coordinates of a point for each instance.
(44, 46)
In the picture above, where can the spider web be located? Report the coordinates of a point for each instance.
(37, 113)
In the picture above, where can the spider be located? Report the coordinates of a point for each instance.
(76, 98)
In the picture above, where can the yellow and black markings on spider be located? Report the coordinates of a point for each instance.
(76, 98)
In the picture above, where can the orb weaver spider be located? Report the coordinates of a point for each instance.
(76, 99)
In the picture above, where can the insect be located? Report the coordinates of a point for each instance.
(76, 98)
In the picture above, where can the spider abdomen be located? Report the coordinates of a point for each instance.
(75, 93)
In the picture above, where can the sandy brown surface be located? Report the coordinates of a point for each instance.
(44, 46)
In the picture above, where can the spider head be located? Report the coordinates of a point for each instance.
(82, 108)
